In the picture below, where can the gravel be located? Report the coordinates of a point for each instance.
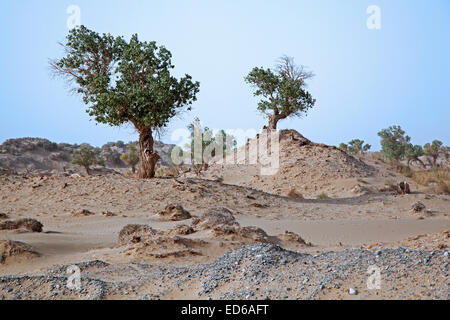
(262, 271)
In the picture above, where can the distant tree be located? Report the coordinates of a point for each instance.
(126, 82)
(343, 146)
(202, 147)
(85, 157)
(131, 158)
(393, 142)
(412, 154)
(355, 146)
(433, 151)
(283, 90)
(210, 143)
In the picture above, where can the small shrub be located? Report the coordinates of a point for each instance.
(86, 158)
(322, 196)
(437, 179)
(165, 172)
(131, 158)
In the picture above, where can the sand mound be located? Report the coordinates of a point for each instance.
(12, 249)
(134, 233)
(437, 241)
(22, 224)
(216, 225)
(304, 166)
(174, 212)
(215, 217)
(144, 241)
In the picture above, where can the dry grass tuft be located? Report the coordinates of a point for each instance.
(322, 196)
(438, 180)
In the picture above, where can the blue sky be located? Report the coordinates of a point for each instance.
(365, 79)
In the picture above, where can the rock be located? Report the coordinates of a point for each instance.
(352, 291)
(109, 214)
(294, 193)
(26, 223)
(81, 213)
(3, 216)
(403, 188)
(174, 212)
(215, 217)
(291, 237)
(10, 248)
(359, 189)
(134, 233)
(180, 230)
(417, 207)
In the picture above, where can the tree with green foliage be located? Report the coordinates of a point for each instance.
(86, 158)
(343, 146)
(126, 82)
(283, 90)
(394, 143)
(203, 147)
(131, 158)
(355, 146)
(433, 150)
(205, 144)
(413, 154)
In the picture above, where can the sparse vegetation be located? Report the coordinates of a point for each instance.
(165, 172)
(393, 143)
(283, 90)
(433, 150)
(86, 158)
(212, 147)
(437, 179)
(322, 196)
(355, 146)
(131, 158)
(412, 154)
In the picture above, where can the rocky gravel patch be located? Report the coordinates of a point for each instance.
(262, 271)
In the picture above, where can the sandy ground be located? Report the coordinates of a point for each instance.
(333, 241)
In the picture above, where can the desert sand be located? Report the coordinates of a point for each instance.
(227, 233)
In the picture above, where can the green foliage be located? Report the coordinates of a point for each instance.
(433, 150)
(209, 142)
(282, 91)
(355, 146)
(124, 81)
(413, 152)
(343, 147)
(394, 142)
(322, 196)
(203, 146)
(85, 157)
(131, 158)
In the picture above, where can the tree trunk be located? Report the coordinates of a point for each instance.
(147, 156)
(273, 120)
(87, 170)
(133, 169)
